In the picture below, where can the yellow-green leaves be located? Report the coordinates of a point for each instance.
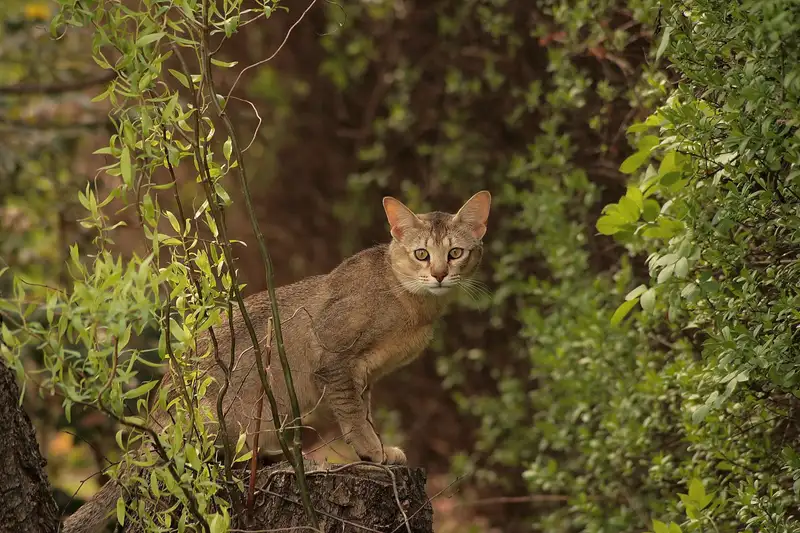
(661, 527)
(697, 500)
(181, 77)
(223, 64)
(126, 167)
(219, 523)
(642, 154)
(150, 38)
(622, 215)
(141, 390)
(634, 161)
(121, 510)
(638, 213)
(227, 148)
(640, 294)
(622, 311)
(648, 300)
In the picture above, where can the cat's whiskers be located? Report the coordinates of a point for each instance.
(474, 288)
(469, 291)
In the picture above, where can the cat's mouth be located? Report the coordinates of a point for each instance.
(439, 290)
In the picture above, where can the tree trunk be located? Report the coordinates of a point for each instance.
(26, 503)
(354, 498)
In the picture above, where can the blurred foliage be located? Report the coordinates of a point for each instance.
(43, 126)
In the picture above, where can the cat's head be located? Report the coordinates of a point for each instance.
(435, 252)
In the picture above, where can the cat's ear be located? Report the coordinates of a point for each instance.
(475, 213)
(399, 216)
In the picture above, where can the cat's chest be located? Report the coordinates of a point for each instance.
(396, 350)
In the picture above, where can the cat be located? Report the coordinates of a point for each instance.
(342, 332)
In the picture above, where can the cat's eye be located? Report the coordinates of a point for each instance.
(421, 254)
(455, 253)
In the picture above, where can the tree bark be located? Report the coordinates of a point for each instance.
(26, 503)
(356, 498)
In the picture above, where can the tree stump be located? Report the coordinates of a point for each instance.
(26, 503)
(355, 498)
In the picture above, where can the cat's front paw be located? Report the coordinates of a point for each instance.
(394, 456)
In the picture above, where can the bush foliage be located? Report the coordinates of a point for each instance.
(679, 416)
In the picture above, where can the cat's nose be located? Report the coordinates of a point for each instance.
(439, 277)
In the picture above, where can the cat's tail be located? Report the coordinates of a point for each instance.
(93, 515)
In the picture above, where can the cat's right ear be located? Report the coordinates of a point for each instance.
(399, 216)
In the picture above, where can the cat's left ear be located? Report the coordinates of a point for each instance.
(475, 213)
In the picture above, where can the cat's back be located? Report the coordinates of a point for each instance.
(360, 276)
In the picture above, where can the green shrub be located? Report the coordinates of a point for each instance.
(724, 249)
(683, 413)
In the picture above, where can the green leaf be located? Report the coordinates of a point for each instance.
(700, 413)
(648, 300)
(674, 528)
(696, 491)
(227, 148)
(191, 455)
(635, 195)
(667, 259)
(244, 457)
(169, 108)
(660, 527)
(650, 210)
(628, 209)
(670, 178)
(223, 64)
(636, 292)
(647, 143)
(141, 390)
(149, 38)
(668, 164)
(661, 47)
(682, 267)
(229, 25)
(240, 442)
(178, 332)
(634, 161)
(173, 221)
(638, 128)
(154, 485)
(180, 77)
(608, 225)
(666, 273)
(8, 338)
(121, 510)
(126, 167)
(688, 291)
(622, 311)
(218, 523)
